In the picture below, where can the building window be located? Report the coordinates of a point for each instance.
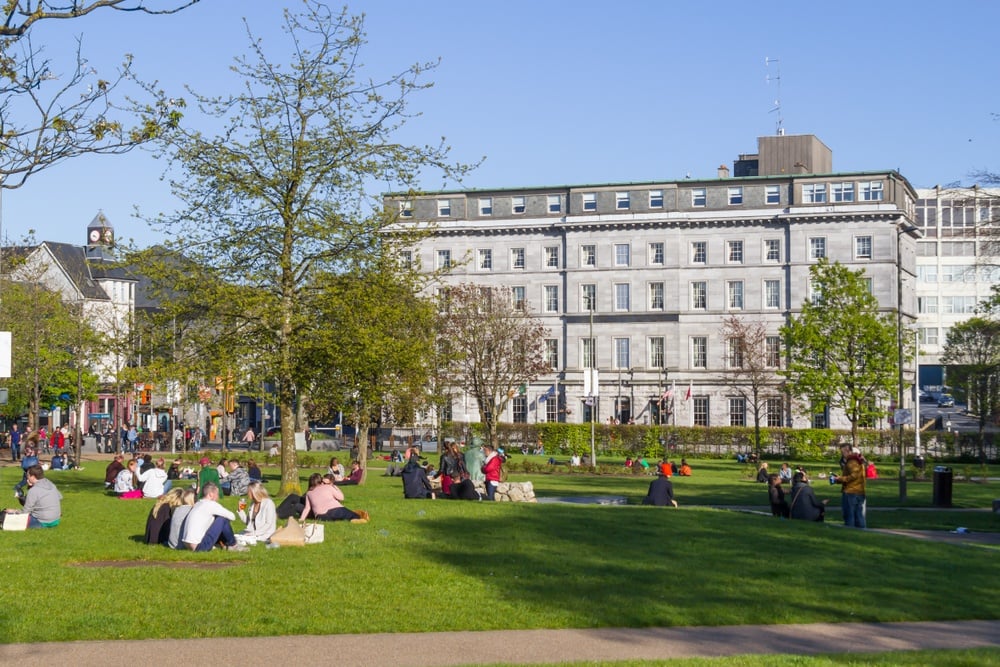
(656, 199)
(862, 247)
(554, 203)
(588, 353)
(699, 352)
(552, 257)
(735, 195)
(814, 193)
(589, 201)
(517, 204)
(552, 353)
(443, 259)
(486, 206)
(772, 294)
(699, 252)
(622, 297)
(588, 255)
(656, 296)
(737, 411)
(772, 250)
(698, 197)
(444, 208)
(656, 352)
(699, 295)
(927, 274)
(734, 352)
(952, 248)
(406, 259)
(517, 297)
(819, 419)
(817, 247)
(927, 249)
(406, 209)
(700, 416)
(589, 294)
(957, 273)
(927, 304)
(735, 290)
(517, 258)
(656, 253)
(735, 252)
(621, 201)
(843, 192)
(623, 254)
(485, 259)
(622, 353)
(773, 194)
(928, 335)
(519, 409)
(775, 410)
(551, 298)
(772, 351)
(872, 191)
(552, 409)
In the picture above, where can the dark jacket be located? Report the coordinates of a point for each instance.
(415, 482)
(804, 505)
(661, 492)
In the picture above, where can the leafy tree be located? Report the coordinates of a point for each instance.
(842, 350)
(496, 347)
(750, 364)
(46, 118)
(280, 197)
(973, 350)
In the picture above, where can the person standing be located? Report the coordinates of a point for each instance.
(15, 443)
(196, 437)
(491, 471)
(852, 487)
(309, 438)
(248, 438)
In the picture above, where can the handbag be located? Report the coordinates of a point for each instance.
(289, 535)
(314, 532)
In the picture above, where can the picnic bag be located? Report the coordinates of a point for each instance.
(314, 532)
(289, 535)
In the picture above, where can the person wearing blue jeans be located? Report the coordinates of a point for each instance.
(852, 483)
(208, 524)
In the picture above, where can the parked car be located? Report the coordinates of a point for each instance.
(946, 401)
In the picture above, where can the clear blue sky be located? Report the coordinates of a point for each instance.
(585, 92)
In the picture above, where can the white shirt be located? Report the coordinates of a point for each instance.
(152, 482)
(200, 518)
(123, 482)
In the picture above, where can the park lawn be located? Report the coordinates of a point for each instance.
(449, 565)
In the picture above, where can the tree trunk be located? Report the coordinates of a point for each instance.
(289, 461)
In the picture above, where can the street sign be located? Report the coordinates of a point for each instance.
(901, 417)
(100, 415)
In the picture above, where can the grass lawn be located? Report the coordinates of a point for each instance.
(451, 565)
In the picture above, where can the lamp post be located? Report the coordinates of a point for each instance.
(899, 344)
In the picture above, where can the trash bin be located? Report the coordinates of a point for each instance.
(942, 486)
(89, 441)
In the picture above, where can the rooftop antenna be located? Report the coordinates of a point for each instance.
(777, 100)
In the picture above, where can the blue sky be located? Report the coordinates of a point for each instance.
(584, 92)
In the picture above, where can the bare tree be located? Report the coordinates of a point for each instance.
(496, 345)
(752, 357)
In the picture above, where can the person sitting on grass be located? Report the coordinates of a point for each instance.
(126, 484)
(776, 496)
(762, 474)
(415, 481)
(254, 472)
(43, 502)
(58, 462)
(661, 492)
(354, 477)
(207, 475)
(464, 488)
(261, 515)
(177, 517)
(785, 473)
(804, 505)
(208, 524)
(158, 521)
(685, 470)
(336, 469)
(324, 502)
(155, 481)
(239, 479)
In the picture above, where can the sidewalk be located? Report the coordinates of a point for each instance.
(519, 646)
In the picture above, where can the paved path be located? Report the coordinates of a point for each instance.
(518, 646)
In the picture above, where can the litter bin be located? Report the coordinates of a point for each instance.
(942, 486)
(89, 441)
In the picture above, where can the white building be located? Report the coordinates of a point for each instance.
(635, 279)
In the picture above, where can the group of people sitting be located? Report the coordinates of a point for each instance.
(804, 504)
(143, 477)
(456, 476)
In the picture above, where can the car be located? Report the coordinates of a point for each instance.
(946, 401)
(927, 398)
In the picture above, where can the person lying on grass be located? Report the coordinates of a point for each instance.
(324, 502)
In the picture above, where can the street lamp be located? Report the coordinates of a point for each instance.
(899, 344)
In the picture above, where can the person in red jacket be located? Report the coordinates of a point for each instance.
(491, 468)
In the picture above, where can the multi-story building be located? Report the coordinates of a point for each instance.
(957, 265)
(636, 279)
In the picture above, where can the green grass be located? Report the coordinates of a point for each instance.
(449, 565)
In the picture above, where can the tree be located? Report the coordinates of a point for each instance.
(46, 118)
(842, 350)
(752, 357)
(281, 196)
(973, 346)
(496, 346)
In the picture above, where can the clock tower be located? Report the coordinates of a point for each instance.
(100, 233)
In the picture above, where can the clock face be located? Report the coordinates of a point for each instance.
(95, 235)
(109, 236)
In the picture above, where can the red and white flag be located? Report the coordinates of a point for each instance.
(688, 396)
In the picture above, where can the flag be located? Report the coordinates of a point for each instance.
(688, 396)
(548, 392)
(673, 389)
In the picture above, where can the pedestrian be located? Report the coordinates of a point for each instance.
(309, 438)
(491, 471)
(852, 487)
(15, 443)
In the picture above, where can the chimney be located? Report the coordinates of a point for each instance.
(723, 171)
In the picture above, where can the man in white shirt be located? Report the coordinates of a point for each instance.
(207, 524)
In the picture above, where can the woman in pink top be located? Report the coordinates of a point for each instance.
(323, 501)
